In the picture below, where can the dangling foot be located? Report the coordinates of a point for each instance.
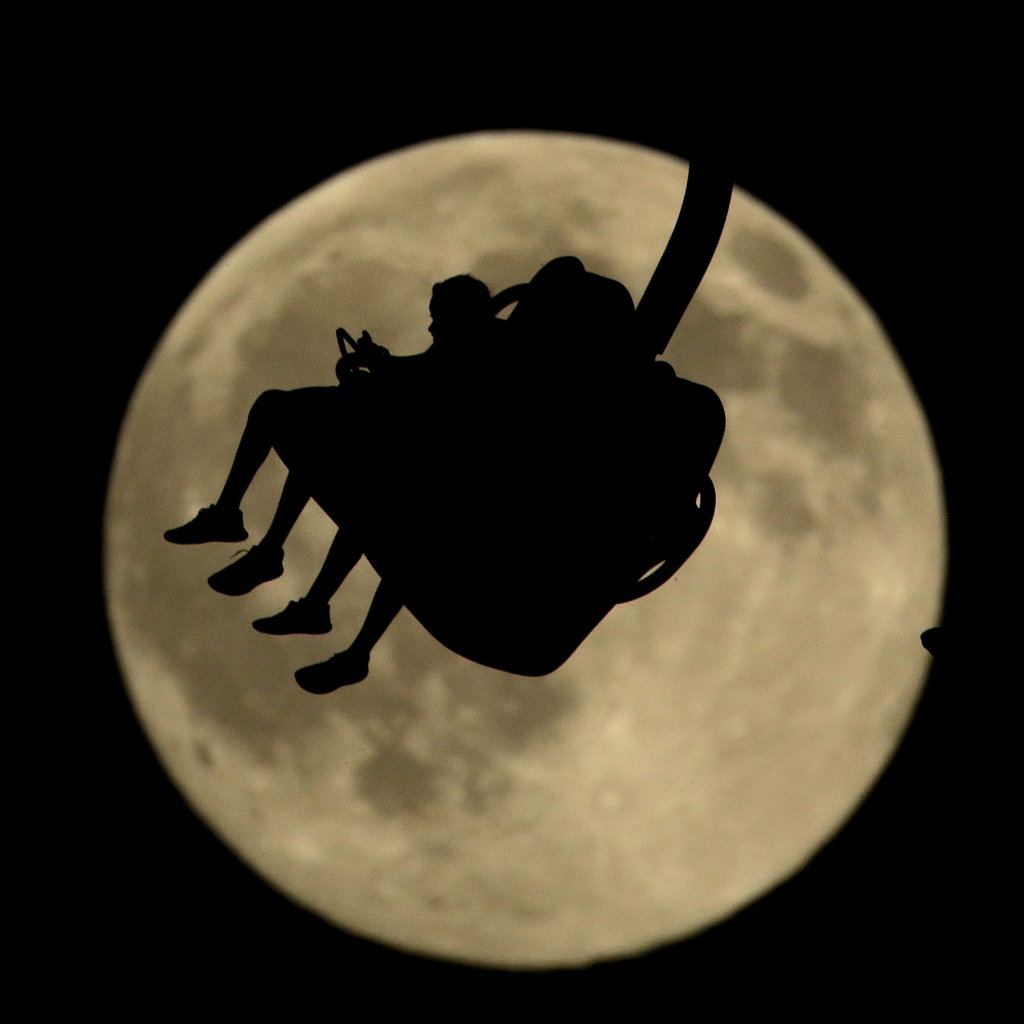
(342, 670)
(302, 616)
(256, 566)
(211, 524)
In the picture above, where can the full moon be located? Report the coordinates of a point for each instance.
(702, 743)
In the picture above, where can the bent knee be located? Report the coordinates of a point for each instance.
(268, 406)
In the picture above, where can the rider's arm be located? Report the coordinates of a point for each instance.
(366, 353)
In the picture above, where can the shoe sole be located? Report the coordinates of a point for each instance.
(310, 684)
(289, 632)
(237, 539)
(236, 591)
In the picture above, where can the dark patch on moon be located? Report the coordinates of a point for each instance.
(485, 783)
(486, 714)
(468, 182)
(394, 782)
(202, 752)
(518, 711)
(420, 198)
(772, 265)
(708, 347)
(733, 353)
(820, 386)
(782, 509)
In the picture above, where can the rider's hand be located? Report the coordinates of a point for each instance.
(367, 353)
(373, 355)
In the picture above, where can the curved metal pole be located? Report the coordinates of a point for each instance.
(686, 257)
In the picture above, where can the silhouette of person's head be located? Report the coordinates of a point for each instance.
(579, 322)
(459, 307)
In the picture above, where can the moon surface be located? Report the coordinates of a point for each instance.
(700, 746)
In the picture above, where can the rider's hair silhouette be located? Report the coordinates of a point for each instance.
(462, 299)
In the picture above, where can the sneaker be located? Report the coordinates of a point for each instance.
(302, 616)
(211, 524)
(256, 566)
(342, 670)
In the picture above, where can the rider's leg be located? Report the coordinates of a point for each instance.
(298, 421)
(386, 604)
(265, 561)
(294, 498)
(353, 665)
(340, 561)
(312, 613)
(253, 448)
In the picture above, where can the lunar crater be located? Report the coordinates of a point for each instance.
(827, 394)
(393, 782)
(772, 264)
(709, 347)
(782, 506)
